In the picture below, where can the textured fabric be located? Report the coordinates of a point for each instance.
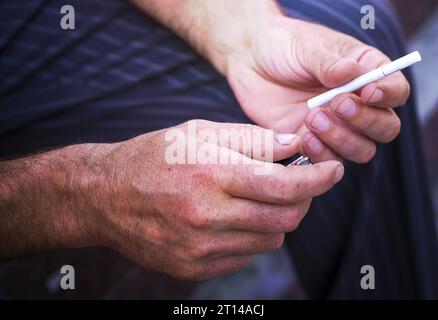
(119, 74)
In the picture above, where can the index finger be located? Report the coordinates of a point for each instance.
(283, 185)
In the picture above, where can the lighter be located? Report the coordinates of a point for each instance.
(301, 161)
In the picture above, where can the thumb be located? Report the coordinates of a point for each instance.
(329, 68)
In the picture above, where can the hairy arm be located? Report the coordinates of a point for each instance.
(215, 29)
(40, 199)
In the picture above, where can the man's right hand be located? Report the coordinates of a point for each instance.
(191, 221)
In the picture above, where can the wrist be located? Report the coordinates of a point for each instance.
(230, 27)
(215, 29)
(68, 180)
(85, 185)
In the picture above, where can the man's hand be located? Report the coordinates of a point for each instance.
(191, 221)
(274, 64)
(291, 61)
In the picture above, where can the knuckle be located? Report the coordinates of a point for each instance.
(345, 142)
(187, 271)
(237, 265)
(262, 216)
(293, 221)
(245, 262)
(351, 148)
(323, 179)
(201, 250)
(200, 219)
(197, 215)
(368, 154)
(189, 211)
(282, 194)
(376, 54)
(276, 242)
(367, 123)
(406, 92)
(195, 273)
(305, 207)
(342, 143)
(199, 247)
(394, 130)
(323, 63)
(193, 250)
(203, 175)
(288, 220)
(224, 267)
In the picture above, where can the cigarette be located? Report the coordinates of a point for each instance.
(365, 79)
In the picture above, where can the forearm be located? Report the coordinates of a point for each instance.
(213, 28)
(43, 201)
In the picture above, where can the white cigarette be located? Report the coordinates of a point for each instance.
(365, 79)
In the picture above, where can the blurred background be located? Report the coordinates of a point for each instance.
(109, 276)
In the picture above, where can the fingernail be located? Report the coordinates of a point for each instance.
(314, 145)
(339, 173)
(285, 138)
(377, 96)
(347, 108)
(321, 122)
